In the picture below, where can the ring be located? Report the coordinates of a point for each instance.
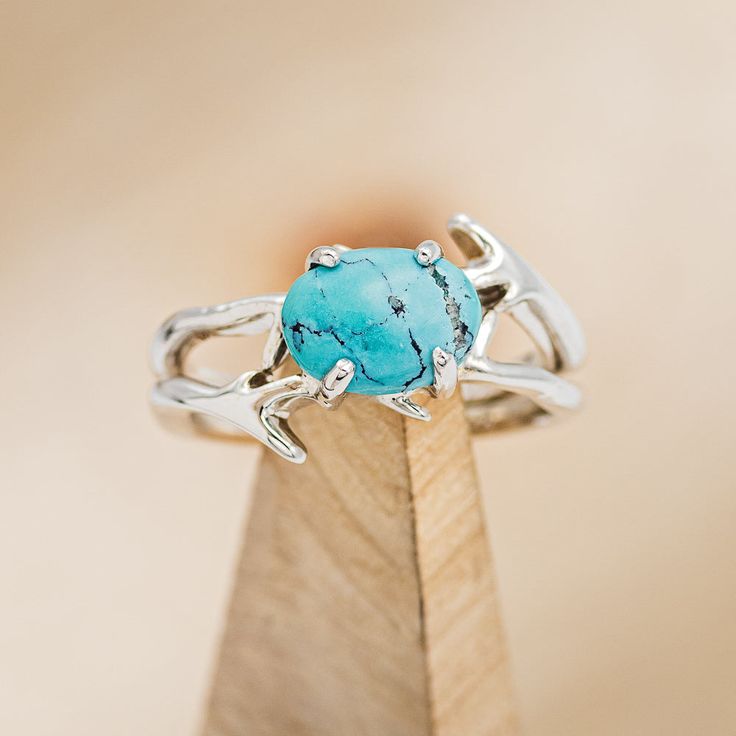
(391, 323)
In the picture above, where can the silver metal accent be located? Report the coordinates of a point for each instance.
(247, 404)
(333, 386)
(324, 255)
(254, 403)
(428, 252)
(445, 374)
(252, 316)
(403, 404)
(507, 284)
(257, 404)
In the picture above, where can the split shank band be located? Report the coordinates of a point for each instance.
(497, 395)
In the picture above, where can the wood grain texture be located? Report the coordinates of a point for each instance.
(364, 602)
(465, 647)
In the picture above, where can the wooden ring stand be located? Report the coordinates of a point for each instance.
(364, 602)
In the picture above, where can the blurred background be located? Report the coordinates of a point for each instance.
(159, 155)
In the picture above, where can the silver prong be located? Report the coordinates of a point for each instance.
(335, 382)
(325, 255)
(428, 252)
(445, 373)
(404, 405)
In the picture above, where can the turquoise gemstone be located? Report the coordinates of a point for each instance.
(383, 311)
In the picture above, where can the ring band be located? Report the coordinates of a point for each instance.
(439, 321)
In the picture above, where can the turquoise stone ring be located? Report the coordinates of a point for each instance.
(386, 312)
(405, 327)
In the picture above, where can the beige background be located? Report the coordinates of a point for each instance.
(157, 155)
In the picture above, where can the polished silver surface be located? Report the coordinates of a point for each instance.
(445, 374)
(258, 404)
(428, 252)
(506, 284)
(403, 404)
(325, 255)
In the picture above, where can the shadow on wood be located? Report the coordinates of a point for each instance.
(364, 602)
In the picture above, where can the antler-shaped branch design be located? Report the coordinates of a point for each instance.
(255, 402)
(259, 404)
(507, 284)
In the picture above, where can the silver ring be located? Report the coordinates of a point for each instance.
(387, 322)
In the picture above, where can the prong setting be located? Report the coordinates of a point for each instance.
(496, 281)
(445, 373)
(402, 404)
(336, 381)
(324, 255)
(427, 252)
